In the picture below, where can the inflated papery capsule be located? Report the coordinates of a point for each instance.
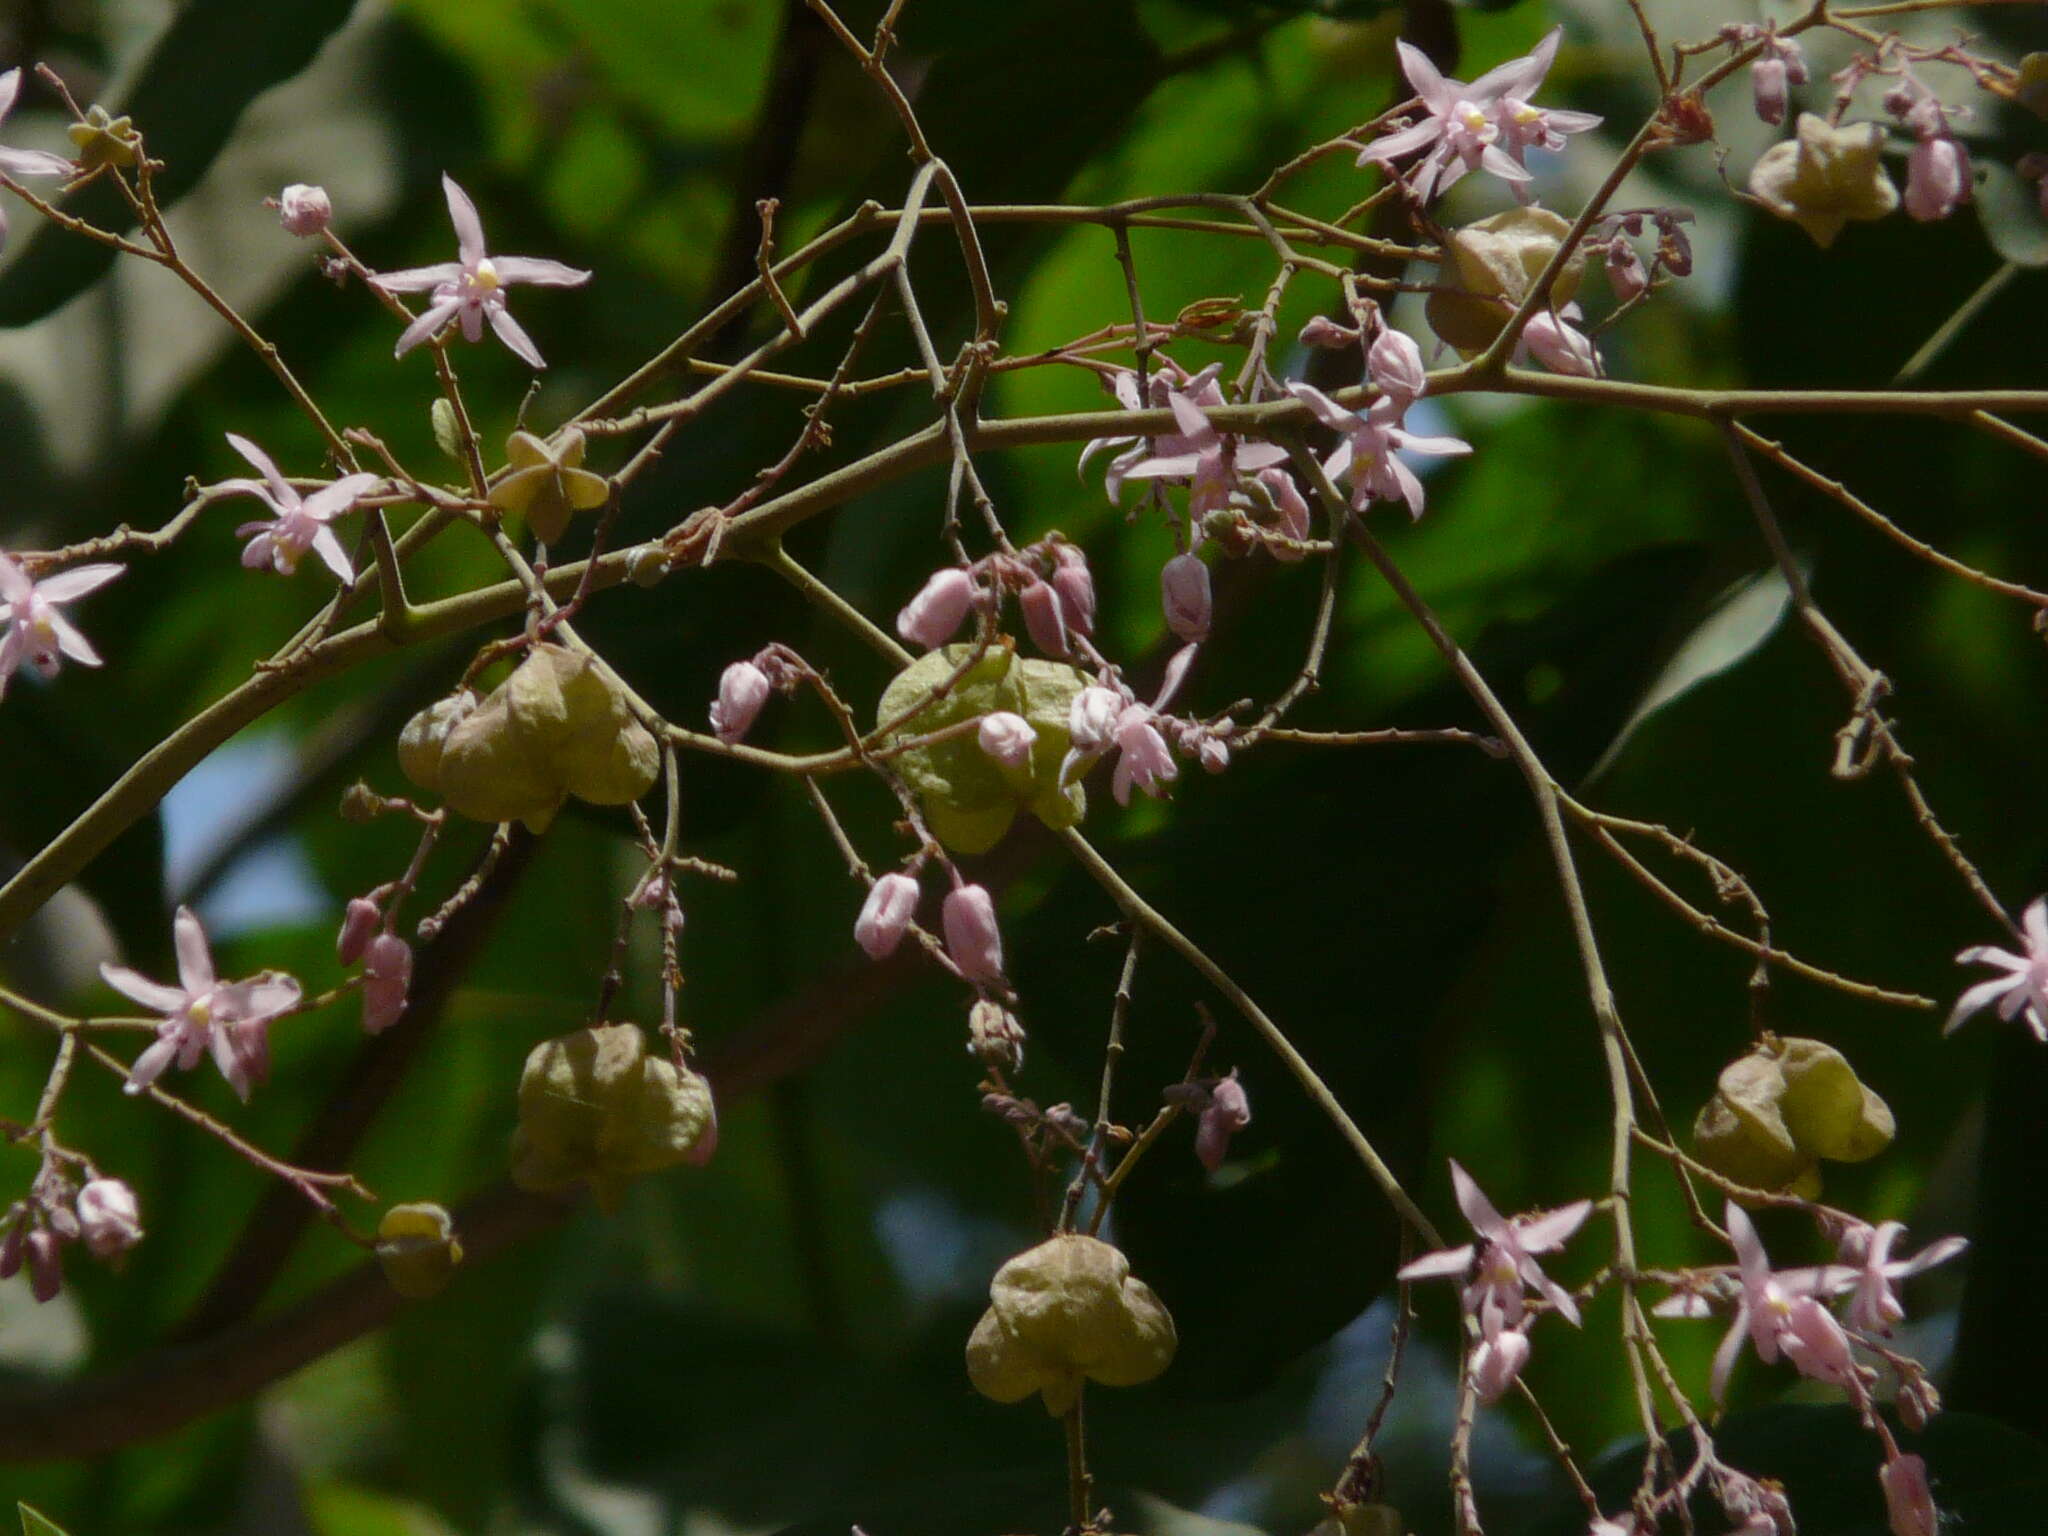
(425, 736)
(418, 1249)
(1065, 1312)
(972, 937)
(886, 915)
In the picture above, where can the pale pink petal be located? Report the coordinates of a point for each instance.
(329, 549)
(72, 643)
(1934, 1253)
(1502, 164)
(1486, 1221)
(281, 491)
(149, 1066)
(1437, 93)
(469, 230)
(1445, 1264)
(1326, 410)
(1725, 1356)
(1517, 77)
(1256, 456)
(335, 499)
(420, 279)
(1985, 954)
(10, 87)
(1979, 997)
(256, 554)
(1178, 466)
(539, 271)
(153, 995)
(195, 962)
(513, 336)
(1540, 1234)
(263, 997)
(34, 162)
(1405, 142)
(1572, 122)
(2034, 920)
(14, 583)
(76, 582)
(428, 324)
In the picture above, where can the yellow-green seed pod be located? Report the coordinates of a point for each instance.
(417, 1247)
(1062, 1313)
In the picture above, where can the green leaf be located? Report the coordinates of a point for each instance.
(35, 1524)
(215, 58)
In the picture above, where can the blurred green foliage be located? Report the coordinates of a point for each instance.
(775, 1341)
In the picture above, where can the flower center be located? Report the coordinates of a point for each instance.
(485, 277)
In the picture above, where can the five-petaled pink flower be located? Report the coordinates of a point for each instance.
(1870, 1269)
(472, 289)
(24, 162)
(1487, 124)
(2023, 989)
(1368, 452)
(1166, 379)
(298, 523)
(1496, 1269)
(201, 1013)
(36, 633)
(1208, 460)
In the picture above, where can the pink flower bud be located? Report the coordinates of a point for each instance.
(387, 977)
(1561, 347)
(109, 1218)
(1007, 738)
(1229, 1112)
(1292, 508)
(357, 924)
(1075, 586)
(1625, 274)
(1395, 363)
(1043, 620)
(11, 1250)
(742, 689)
(1497, 1362)
(1937, 178)
(45, 1264)
(931, 618)
(1908, 1499)
(972, 938)
(1213, 752)
(1767, 79)
(1322, 331)
(1092, 717)
(1184, 593)
(885, 916)
(304, 210)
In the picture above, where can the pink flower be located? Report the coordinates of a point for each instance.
(1908, 1499)
(2023, 989)
(1937, 178)
(108, 1218)
(1778, 1311)
(387, 978)
(1092, 717)
(1367, 452)
(886, 915)
(36, 632)
(1227, 1113)
(1497, 1361)
(1144, 761)
(24, 162)
(1866, 1255)
(1184, 594)
(1166, 379)
(1502, 1262)
(1487, 124)
(304, 210)
(941, 605)
(298, 524)
(972, 938)
(1291, 508)
(1007, 738)
(742, 689)
(472, 289)
(201, 1012)
(1208, 460)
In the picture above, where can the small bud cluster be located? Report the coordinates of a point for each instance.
(102, 1213)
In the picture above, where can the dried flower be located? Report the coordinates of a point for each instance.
(472, 289)
(1227, 1112)
(547, 484)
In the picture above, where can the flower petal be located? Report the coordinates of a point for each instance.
(195, 961)
(1980, 997)
(76, 582)
(72, 643)
(1444, 1264)
(419, 279)
(1437, 93)
(539, 271)
(329, 549)
(510, 332)
(1486, 1221)
(428, 324)
(156, 996)
(469, 229)
(282, 495)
